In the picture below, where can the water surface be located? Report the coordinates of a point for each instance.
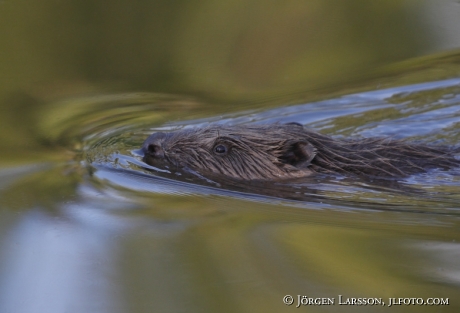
(86, 226)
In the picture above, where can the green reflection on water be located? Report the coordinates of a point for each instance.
(71, 72)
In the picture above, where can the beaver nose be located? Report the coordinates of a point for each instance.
(152, 146)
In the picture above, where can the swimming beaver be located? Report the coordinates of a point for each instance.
(281, 151)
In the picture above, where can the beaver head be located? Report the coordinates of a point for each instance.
(243, 152)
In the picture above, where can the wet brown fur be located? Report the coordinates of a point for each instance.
(281, 151)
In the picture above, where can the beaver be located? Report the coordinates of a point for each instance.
(284, 151)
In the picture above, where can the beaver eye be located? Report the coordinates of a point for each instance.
(220, 149)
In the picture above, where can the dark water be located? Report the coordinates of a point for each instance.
(86, 226)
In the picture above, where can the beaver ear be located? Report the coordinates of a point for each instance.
(299, 154)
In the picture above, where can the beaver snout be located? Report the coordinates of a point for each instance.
(152, 147)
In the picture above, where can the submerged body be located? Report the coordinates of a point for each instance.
(283, 151)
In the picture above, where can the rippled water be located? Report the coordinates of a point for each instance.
(112, 157)
(120, 223)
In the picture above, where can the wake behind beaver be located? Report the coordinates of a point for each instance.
(286, 151)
